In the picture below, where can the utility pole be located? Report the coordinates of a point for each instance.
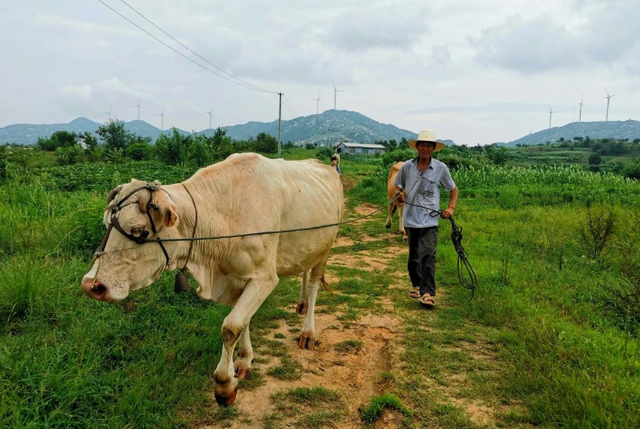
(280, 127)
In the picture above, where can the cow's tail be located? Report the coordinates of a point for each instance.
(393, 209)
(325, 285)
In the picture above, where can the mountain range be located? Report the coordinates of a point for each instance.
(628, 129)
(327, 128)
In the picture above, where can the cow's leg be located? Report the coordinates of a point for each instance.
(242, 365)
(391, 209)
(303, 304)
(401, 222)
(307, 334)
(253, 295)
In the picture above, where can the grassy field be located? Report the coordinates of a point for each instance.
(550, 340)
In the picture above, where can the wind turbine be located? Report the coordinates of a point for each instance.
(109, 112)
(317, 100)
(551, 112)
(162, 116)
(139, 107)
(608, 99)
(581, 104)
(210, 113)
(335, 95)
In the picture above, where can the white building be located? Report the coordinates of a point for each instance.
(360, 148)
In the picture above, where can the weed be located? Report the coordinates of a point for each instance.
(349, 346)
(289, 369)
(371, 413)
(597, 230)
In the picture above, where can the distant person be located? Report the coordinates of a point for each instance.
(418, 185)
(335, 162)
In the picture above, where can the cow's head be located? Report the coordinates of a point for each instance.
(122, 263)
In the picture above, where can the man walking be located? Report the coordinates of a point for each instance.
(418, 185)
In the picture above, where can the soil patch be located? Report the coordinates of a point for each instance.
(354, 374)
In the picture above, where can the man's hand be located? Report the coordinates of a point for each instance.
(399, 196)
(447, 213)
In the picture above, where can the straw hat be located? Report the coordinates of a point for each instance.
(427, 136)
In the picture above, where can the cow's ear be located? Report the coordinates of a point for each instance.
(170, 216)
(115, 191)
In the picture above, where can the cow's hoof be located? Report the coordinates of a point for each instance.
(225, 401)
(307, 341)
(302, 308)
(242, 371)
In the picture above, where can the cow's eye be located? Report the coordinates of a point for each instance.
(136, 231)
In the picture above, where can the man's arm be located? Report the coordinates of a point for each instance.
(453, 199)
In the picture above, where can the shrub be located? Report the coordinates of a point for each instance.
(69, 155)
(596, 231)
(139, 151)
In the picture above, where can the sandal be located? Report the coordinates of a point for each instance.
(427, 300)
(415, 293)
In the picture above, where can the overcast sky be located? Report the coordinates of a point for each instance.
(475, 71)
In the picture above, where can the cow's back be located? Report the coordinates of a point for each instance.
(265, 194)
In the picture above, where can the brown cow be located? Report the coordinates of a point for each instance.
(391, 191)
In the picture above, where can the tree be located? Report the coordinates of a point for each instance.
(139, 150)
(89, 140)
(595, 159)
(175, 149)
(497, 155)
(266, 143)
(57, 139)
(114, 136)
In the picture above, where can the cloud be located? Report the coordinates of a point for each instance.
(97, 98)
(532, 46)
(599, 33)
(441, 56)
(390, 27)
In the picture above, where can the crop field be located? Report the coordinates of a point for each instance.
(549, 340)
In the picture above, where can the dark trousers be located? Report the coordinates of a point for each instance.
(422, 258)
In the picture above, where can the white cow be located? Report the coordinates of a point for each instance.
(245, 193)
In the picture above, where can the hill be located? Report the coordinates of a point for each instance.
(326, 128)
(629, 129)
(27, 134)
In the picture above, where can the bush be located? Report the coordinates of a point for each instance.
(139, 151)
(632, 171)
(69, 155)
(596, 231)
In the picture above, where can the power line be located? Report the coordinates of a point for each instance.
(237, 81)
(192, 51)
(290, 107)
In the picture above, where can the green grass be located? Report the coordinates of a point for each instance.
(306, 407)
(371, 413)
(349, 346)
(541, 342)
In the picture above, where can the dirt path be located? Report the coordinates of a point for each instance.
(360, 360)
(353, 374)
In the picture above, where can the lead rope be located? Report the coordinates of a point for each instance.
(468, 281)
(181, 283)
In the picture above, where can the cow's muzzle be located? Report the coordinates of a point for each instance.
(94, 289)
